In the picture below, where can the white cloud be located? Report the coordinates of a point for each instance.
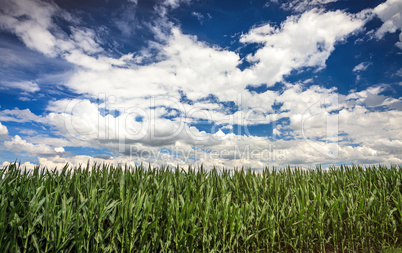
(18, 145)
(3, 130)
(231, 150)
(198, 69)
(287, 48)
(198, 15)
(361, 66)
(25, 165)
(59, 149)
(162, 8)
(303, 5)
(6, 163)
(26, 86)
(390, 13)
(201, 18)
(189, 65)
(85, 39)
(24, 99)
(26, 131)
(51, 141)
(21, 116)
(30, 20)
(174, 3)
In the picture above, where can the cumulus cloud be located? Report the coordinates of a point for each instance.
(196, 68)
(148, 110)
(187, 62)
(84, 126)
(59, 150)
(287, 48)
(3, 130)
(390, 13)
(18, 145)
(26, 165)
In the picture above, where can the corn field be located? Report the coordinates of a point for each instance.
(120, 209)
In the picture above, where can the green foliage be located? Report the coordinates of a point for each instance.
(121, 209)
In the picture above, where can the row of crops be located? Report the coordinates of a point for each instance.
(118, 209)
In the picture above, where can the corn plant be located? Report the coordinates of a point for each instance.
(103, 208)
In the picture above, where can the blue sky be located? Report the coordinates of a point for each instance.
(224, 83)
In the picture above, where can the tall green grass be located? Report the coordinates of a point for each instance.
(120, 209)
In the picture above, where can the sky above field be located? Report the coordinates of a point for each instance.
(226, 83)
